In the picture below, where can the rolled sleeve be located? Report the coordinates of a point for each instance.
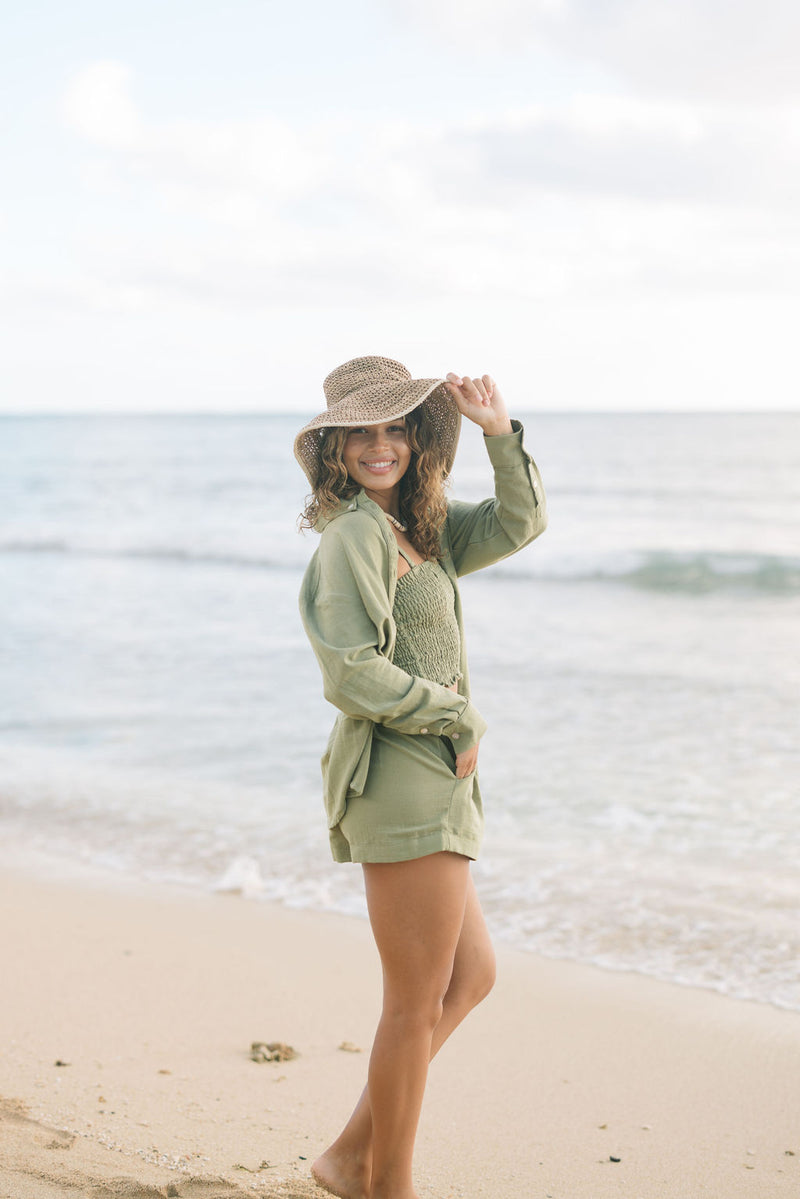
(483, 533)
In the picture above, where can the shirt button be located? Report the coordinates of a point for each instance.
(455, 736)
(423, 730)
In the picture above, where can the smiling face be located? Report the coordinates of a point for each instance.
(376, 458)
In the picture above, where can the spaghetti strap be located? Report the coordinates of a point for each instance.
(403, 554)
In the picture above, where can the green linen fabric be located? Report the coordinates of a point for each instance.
(346, 603)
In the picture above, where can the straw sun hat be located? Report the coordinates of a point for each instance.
(372, 391)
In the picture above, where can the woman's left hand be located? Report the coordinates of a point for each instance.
(467, 762)
(480, 401)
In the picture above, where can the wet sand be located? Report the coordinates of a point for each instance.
(151, 997)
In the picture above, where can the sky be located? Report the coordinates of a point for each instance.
(209, 206)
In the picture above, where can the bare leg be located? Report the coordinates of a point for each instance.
(345, 1168)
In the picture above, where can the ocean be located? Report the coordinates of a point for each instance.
(161, 712)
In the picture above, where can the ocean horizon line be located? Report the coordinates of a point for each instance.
(204, 414)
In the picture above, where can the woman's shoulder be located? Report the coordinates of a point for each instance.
(354, 532)
(351, 523)
(352, 558)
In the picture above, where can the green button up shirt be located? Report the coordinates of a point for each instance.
(346, 604)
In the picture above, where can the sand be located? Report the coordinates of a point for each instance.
(151, 997)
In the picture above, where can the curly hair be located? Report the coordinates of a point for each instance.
(422, 489)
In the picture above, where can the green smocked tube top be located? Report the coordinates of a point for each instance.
(428, 644)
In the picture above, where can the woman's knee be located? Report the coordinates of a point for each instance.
(482, 983)
(420, 1011)
(470, 985)
(486, 979)
(486, 975)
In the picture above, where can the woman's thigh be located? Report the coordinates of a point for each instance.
(416, 910)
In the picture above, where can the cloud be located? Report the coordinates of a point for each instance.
(98, 104)
(232, 163)
(730, 49)
(335, 172)
(600, 146)
(591, 196)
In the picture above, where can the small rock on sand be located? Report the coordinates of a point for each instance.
(272, 1051)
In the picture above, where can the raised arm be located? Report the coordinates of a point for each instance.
(480, 534)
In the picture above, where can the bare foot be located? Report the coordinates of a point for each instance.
(342, 1175)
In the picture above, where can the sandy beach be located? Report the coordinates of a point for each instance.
(128, 1012)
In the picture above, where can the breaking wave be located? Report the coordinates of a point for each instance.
(689, 572)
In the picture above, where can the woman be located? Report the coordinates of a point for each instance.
(381, 607)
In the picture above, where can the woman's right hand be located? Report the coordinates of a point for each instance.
(466, 762)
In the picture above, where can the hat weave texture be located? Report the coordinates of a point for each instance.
(372, 391)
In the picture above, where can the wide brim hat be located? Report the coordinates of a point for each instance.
(372, 391)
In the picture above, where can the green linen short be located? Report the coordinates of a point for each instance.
(412, 803)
